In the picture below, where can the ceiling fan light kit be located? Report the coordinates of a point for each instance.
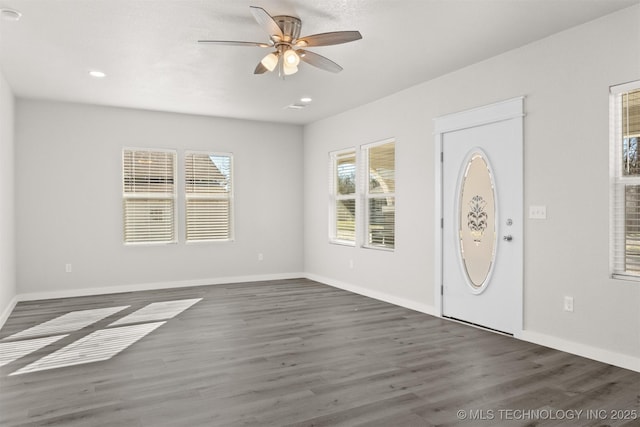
(270, 61)
(291, 61)
(284, 37)
(291, 57)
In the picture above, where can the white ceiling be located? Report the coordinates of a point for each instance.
(148, 50)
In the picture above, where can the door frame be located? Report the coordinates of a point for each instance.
(497, 112)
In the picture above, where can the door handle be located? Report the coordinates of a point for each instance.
(507, 238)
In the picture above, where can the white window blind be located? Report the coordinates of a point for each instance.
(209, 196)
(379, 195)
(149, 195)
(625, 171)
(343, 194)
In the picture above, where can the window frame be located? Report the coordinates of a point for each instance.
(229, 196)
(367, 196)
(334, 156)
(618, 183)
(173, 196)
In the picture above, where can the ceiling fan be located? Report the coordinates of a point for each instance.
(284, 38)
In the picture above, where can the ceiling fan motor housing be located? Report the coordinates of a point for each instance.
(290, 26)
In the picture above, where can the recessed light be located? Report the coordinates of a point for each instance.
(295, 106)
(97, 74)
(305, 99)
(10, 15)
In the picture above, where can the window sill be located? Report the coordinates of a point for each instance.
(139, 244)
(625, 277)
(201, 242)
(342, 243)
(380, 248)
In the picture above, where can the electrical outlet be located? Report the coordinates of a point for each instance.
(568, 304)
(67, 268)
(350, 263)
(260, 257)
(537, 212)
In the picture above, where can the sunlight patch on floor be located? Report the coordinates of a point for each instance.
(68, 322)
(97, 346)
(157, 311)
(11, 351)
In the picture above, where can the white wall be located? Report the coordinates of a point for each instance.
(69, 199)
(7, 211)
(565, 79)
(68, 191)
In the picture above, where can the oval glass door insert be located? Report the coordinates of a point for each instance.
(477, 220)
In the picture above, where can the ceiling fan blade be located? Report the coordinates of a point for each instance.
(318, 61)
(233, 43)
(327, 39)
(260, 69)
(266, 21)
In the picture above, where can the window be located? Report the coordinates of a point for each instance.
(379, 194)
(625, 170)
(208, 196)
(343, 195)
(149, 195)
(372, 186)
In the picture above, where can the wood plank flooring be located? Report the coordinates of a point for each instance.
(290, 353)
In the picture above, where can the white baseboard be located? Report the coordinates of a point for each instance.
(7, 311)
(605, 356)
(70, 293)
(391, 299)
(595, 353)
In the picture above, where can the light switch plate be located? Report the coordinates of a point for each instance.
(537, 212)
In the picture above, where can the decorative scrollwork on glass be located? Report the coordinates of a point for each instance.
(477, 217)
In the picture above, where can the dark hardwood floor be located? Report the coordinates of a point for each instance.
(287, 353)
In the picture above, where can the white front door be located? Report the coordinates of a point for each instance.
(482, 215)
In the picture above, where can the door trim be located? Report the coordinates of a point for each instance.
(500, 111)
